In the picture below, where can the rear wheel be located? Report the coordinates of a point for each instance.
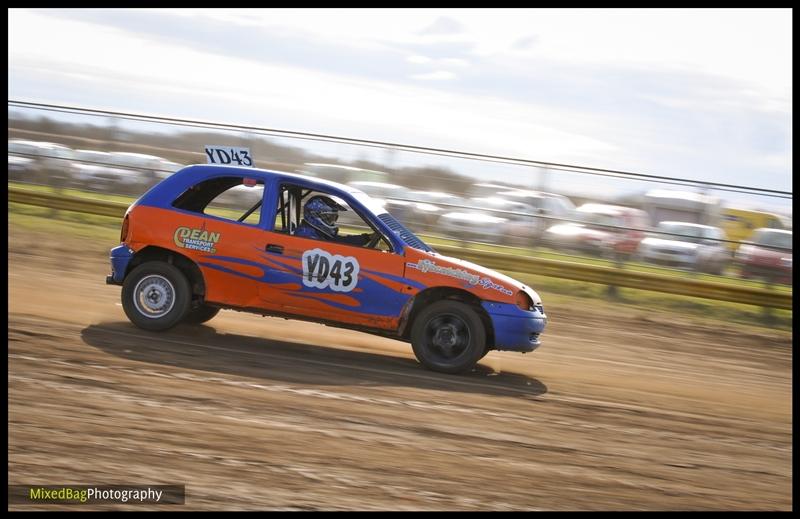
(200, 314)
(448, 336)
(156, 296)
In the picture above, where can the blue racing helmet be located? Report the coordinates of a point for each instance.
(321, 213)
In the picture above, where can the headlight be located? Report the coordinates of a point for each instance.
(524, 301)
(786, 262)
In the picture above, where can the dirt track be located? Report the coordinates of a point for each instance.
(614, 412)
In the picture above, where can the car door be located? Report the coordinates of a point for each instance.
(218, 224)
(328, 280)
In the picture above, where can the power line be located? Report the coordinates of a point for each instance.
(409, 148)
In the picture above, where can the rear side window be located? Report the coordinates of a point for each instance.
(237, 199)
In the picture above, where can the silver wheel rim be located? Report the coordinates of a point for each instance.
(154, 296)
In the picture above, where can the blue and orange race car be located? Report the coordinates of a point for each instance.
(211, 237)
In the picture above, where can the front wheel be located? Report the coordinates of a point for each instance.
(156, 296)
(448, 336)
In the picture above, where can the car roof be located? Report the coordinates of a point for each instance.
(777, 231)
(375, 184)
(689, 224)
(437, 194)
(497, 201)
(340, 166)
(137, 155)
(607, 209)
(39, 144)
(529, 193)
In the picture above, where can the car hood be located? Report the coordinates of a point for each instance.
(771, 253)
(473, 218)
(13, 159)
(766, 252)
(674, 244)
(482, 275)
(575, 230)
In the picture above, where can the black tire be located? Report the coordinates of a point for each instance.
(156, 296)
(201, 314)
(448, 336)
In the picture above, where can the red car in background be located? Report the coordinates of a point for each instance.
(767, 255)
(606, 230)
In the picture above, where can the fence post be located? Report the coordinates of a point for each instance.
(769, 316)
(613, 291)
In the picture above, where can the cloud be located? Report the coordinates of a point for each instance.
(420, 60)
(439, 75)
(545, 102)
(443, 26)
(525, 43)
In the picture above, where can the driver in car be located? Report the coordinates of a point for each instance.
(319, 222)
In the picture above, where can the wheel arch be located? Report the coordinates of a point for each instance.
(434, 294)
(186, 265)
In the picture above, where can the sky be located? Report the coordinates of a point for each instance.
(702, 93)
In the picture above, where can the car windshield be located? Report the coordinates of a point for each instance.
(370, 203)
(563, 205)
(601, 219)
(780, 240)
(433, 197)
(379, 210)
(499, 204)
(380, 190)
(691, 232)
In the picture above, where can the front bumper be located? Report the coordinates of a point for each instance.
(515, 329)
(772, 273)
(120, 257)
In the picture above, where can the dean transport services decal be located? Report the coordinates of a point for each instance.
(196, 239)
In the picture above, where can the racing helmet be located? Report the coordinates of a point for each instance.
(321, 213)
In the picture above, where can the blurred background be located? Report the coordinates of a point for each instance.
(633, 166)
(547, 131)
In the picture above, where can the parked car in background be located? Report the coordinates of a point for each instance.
(169, 167)
(612, 231)
(49, 163)
(146, 168)
(767, 255)
(119, 172)
(687, 245)
(490, 220)
(20, 168)
(392, 197)
(93, 170)
(341, 173)
(429, 207)
(551, 206)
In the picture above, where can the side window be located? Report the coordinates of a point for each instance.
(237, 199)
(289, 211)
(330, 218)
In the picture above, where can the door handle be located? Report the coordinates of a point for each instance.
(272, 247)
